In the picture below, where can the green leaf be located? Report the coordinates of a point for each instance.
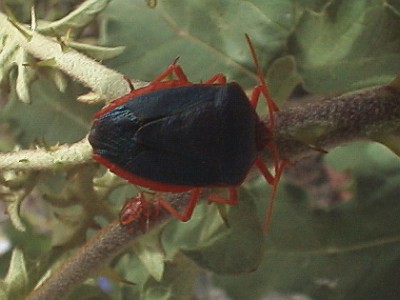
(53, 116)
(283, 78)
(37, 242)
(11, 56)
(315, 5)
(3, 290)
(14, 202)
(177, 282)
(76, 20)
(349, 45)
(205, 225)
(390, 140)
(16, 278)
(150, 252)
(210, 31)
(97, 52)
(237, 249)
(349, 252)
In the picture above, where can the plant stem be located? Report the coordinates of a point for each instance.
(106, 83)
(327, 123)
(105, 245)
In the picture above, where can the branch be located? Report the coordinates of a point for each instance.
(370, 115)
(57, 157)
(106, 83)
(105, 245)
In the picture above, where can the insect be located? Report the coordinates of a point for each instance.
(175, 136)
(140, 210)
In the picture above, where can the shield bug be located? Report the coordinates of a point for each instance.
(175, 136)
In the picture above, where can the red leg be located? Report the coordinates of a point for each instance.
(278, 164)
(272, 107)
(233, 197)
(217, 78)
(278, 174)
(187, 214)
(272, 180)
(233, 200)
(172, 69)
(264, 171)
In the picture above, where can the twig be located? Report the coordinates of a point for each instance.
(330, 122)
(105, 245)
(107, 83)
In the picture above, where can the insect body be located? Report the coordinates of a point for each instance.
(176, 136)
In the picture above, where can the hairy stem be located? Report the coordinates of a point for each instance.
(105, 245)
(107, 83)
(330, 122)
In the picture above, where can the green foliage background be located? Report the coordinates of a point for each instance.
(329, 47)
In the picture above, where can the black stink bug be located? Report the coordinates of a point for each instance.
(177, 136)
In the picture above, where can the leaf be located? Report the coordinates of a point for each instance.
(150, 252)
(97, 52)
(283, 77)
(390, 140)
(3, 290)
(237, 249)
(75, 20)
(53, 116)
(37, 242)
(209, 31)
(177, 282)
(16, 278)
(350, 252)
(13, 56)
(315, 5)
(13, 210)
(205, 225)
(349, 45)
